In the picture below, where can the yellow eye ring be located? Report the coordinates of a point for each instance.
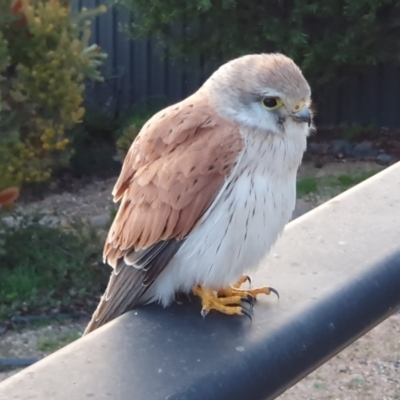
(271, 103)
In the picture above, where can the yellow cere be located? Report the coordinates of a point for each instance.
(299, 106)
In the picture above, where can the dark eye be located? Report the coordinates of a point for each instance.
(271, 103)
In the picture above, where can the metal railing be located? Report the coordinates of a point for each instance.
(337, 269)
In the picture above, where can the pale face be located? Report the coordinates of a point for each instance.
(266, 92)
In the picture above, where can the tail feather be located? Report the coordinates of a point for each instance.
(129, 284)
(125, 290)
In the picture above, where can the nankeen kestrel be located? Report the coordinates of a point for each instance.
(206, 189)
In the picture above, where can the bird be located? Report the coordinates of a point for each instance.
(206, 189)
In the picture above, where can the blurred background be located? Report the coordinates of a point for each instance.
(79, 79)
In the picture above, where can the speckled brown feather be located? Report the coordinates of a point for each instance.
(171, 175)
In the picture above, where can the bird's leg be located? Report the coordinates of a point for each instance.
(235, 290)
(230, 305)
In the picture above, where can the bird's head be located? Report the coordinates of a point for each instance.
(262, 91)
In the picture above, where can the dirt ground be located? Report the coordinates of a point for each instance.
(368, 369)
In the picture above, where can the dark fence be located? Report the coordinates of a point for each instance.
(372, 98)
(139, 74)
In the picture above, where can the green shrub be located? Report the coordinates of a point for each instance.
(44, 59)
(93, 142)
(125, 140)
(7, 198)
(356, 131)
(127, 135)
(45, 269)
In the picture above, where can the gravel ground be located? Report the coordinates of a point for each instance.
(368, 369)
(37, 342)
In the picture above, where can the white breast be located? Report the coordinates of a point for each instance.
(244, 222)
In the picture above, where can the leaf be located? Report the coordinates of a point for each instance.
(17, 96)
(8, 196)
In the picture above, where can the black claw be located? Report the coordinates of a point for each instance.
(274, 291)
(248, 279)
(249, 299)
(246, 300)
(245, 312)
(204, 312)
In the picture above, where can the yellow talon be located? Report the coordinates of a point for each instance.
(230, 305)
(229, 301)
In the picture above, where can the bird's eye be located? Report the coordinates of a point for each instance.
(271, 103)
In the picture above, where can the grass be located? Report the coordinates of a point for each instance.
(311, 185)
(307, 185)
(53, 343)
(45, 270)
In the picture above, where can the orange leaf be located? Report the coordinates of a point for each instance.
(8, 196)
(17, 8)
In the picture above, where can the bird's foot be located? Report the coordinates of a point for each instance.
(235, 290)
(230, 305)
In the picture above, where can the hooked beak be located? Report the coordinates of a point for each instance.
(303, 115)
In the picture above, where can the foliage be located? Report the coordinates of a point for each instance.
(48, 270)
(44, 59)
(7, 199)
(94, 146)
(8, 132)
(125, 141)
(326, 38)
(127, 135)
(355, 131)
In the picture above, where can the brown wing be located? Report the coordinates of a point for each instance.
(171, 175)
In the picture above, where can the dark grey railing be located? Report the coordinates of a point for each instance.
(338, 272)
